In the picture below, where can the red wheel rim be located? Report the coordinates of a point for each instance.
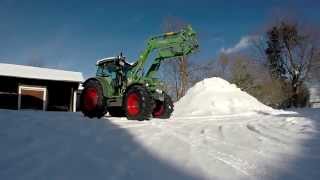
(90, 99)
(133, 104)
(159, 109)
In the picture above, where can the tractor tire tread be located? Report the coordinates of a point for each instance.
(146, 104)
(100, 109)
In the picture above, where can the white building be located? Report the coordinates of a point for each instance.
(27, 87)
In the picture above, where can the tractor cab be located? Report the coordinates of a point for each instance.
(115, 70)
(108, 67)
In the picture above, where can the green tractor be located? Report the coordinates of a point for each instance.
(125, 89)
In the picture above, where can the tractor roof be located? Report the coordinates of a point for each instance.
(105, 60)
(111, 59)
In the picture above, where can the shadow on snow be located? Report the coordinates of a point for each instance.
(306, 164)
(69, 146)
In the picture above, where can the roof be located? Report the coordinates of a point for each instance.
(110, 59)
(105, 60)
(30, 72)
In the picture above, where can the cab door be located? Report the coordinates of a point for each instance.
(108, 72)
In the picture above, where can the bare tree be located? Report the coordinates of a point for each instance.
(290, 51)
(201, 70)
(169, 73)
(315, 68)
(289, 47)
(180, 67)
(223, 61)
(252, 77)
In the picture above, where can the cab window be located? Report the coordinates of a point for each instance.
(107, 70)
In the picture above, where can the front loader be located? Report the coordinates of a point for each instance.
(124, 89)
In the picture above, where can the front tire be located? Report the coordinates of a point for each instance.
(91, 100)
(138, 103)
(163, 109)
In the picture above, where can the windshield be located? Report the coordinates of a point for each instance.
(108, 70)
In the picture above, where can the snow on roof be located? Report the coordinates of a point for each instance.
(30, 72)
(105, 60)
(112, 58)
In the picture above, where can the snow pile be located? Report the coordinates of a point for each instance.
(215, 96)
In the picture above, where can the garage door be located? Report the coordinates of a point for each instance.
(32, 97)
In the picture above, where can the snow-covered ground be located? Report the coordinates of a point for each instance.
(254, 143)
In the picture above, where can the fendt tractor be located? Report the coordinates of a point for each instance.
(125, 89)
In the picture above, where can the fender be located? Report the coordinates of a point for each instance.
(131, 85)
(106, 88)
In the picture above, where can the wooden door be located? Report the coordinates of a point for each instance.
(31, 97)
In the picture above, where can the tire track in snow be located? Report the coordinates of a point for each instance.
(195, 148)
(224, 136)
(271, 129)
(216, 116)
(241, 164)
(230, 162)
(235, 163)
(232, 145)
(229, 159)
(194, 140)
(253, 129)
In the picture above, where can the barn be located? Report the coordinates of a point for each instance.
(27, 87)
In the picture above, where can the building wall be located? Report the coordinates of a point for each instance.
(8, 93)
(59, 97)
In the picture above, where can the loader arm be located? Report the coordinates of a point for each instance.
(168, 45)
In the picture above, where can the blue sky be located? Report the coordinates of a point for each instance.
(73, 34)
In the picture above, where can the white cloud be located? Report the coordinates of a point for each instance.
(241, 45)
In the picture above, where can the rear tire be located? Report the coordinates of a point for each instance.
(91, 100)
(163, 109)
(138, 103)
